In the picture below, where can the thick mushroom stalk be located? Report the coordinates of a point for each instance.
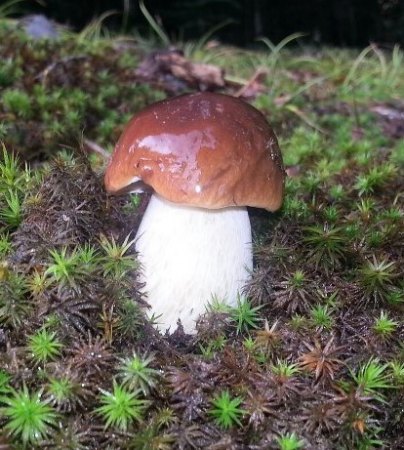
(188, 256)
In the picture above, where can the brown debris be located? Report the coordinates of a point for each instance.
(293, 171)
(321, 360)
(391, 117)
(171, 71)
(93, 147)
(254, 86)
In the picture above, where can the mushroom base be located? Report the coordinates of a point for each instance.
(188, 256)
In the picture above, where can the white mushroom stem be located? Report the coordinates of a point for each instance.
(188, 255)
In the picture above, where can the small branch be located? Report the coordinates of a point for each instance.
(95, 148)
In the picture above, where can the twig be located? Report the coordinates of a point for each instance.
(94, 147)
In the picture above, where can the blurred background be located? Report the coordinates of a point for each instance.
(352, 23)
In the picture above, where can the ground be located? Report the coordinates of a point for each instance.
(312, 357)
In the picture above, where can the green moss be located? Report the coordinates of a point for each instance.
(27, 415)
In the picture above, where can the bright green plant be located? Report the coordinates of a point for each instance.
(9, 171)
(393, 214)
(372, 377)
(289, 441)
(285, 369)
(302, 144)
(384, 326)
(297, 280)
(116, 262)
(135, 373)
(397, 372)
(4, 382)
(321, 317)
(87, 255)
(396, 296)
(107, 126)
(375, 238)
(295, 208)
(374, 179)
(376, 278)
(11, 212)
(249, 344)
(207, 351)
(17, 102)
(27, 416)
(226, 410)
(14, 304)
(294, 292)
(64, 267)
(369, 441)
(297, 322)
(325, 168)
(37, 283)
(311, 182)
(5, 244)
(121, 407)
(326, 245)
(217, 305)
(60, 391)
(213, 346)
(44, 346)
(337, 192)
(14, 183)
(331, 214)
(366, 208)
(130, 317)
(245, 315)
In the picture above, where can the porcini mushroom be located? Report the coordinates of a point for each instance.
(206, 156)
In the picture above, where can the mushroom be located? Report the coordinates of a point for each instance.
(207, 157)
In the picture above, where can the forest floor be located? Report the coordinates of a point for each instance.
(313, 355)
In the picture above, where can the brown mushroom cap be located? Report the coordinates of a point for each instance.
(206, 150)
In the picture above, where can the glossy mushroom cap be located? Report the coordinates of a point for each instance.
(206, 150)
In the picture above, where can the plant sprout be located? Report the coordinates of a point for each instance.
(121, 407)
(27, 415)
(226, 410)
